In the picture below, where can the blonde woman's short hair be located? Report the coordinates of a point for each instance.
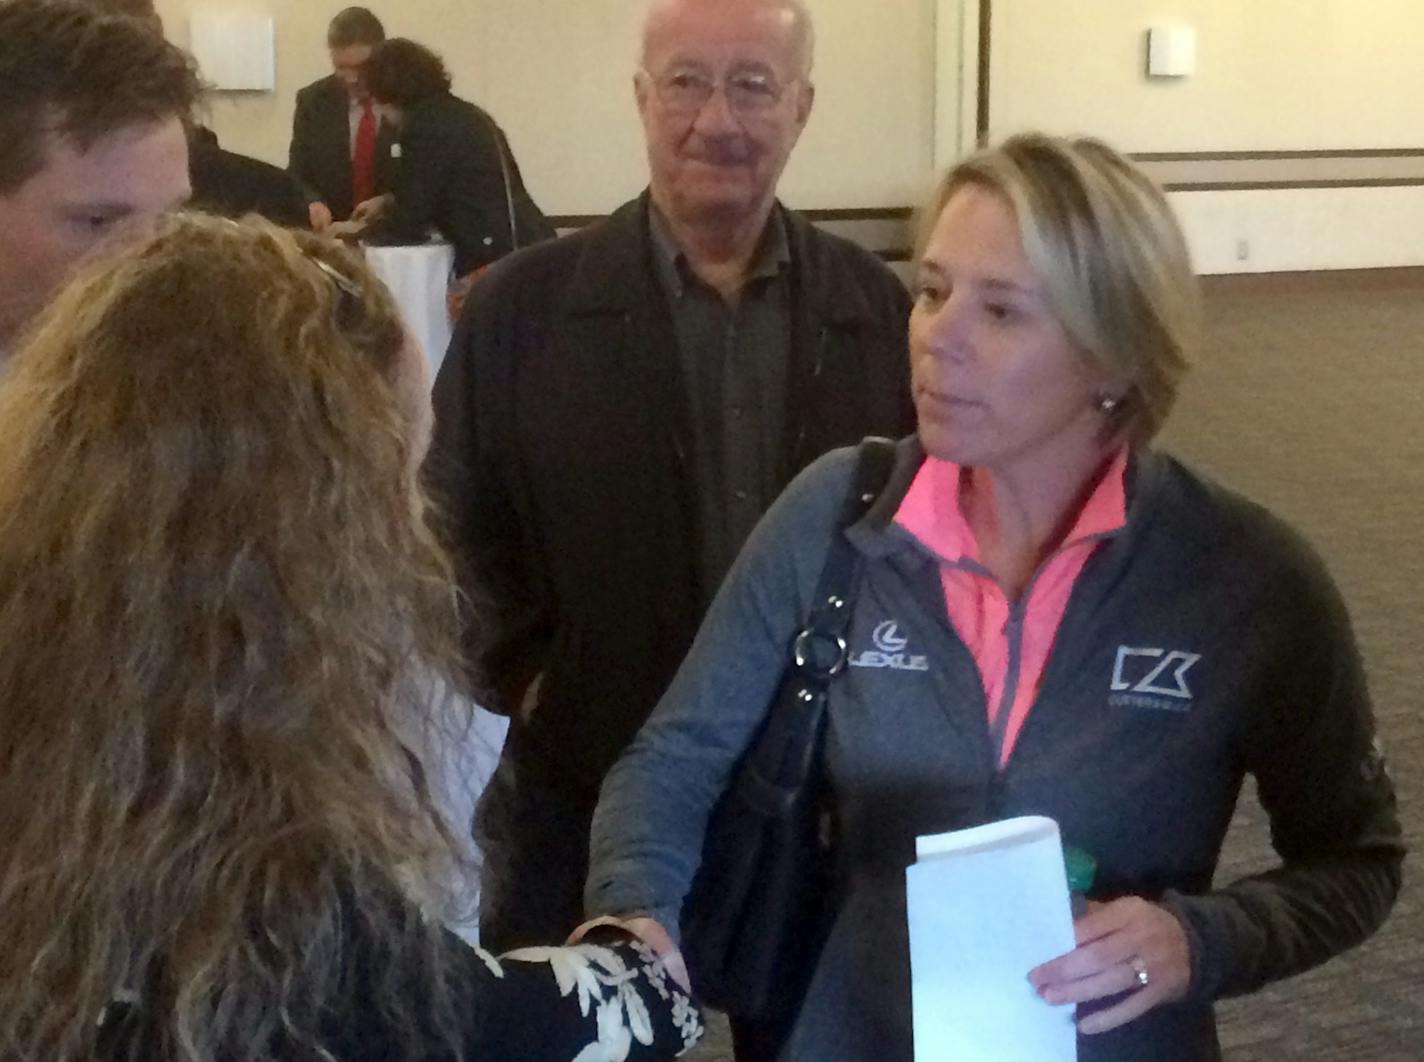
(1111, 256)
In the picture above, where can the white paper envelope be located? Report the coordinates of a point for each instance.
(985, 906)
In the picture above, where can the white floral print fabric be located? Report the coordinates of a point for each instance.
(606, 1000)
(608, 985)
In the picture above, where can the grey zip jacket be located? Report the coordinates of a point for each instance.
(1203, 641)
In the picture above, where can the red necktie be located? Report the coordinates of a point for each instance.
(363, 159)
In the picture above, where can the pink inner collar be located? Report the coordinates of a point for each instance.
(931, 511)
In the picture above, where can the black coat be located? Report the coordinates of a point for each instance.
(561, 458)
(232, 185)
(449, 178)
(320, 154)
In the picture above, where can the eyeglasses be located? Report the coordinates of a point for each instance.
(686, 89)
(344, 284)
(348, 295)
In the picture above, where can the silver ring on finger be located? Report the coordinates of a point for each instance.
(1139, 971)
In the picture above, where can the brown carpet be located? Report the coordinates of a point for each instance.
(1309, 397)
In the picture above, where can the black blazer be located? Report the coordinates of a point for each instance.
(232, 185)
(320, 155)
(448, 178)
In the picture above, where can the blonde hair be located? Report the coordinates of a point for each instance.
(221, 607)
(1107, 247)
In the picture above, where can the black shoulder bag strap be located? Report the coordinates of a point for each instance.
(786, 752)
(498, 139)
(753, 922)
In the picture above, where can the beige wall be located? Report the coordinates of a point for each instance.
(557, 75)
(1271, 74)
(1292, 229)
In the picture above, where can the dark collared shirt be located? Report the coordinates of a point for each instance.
(734, 365)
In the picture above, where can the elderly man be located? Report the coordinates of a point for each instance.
(92, 113)
(340, 150)
(618, 408)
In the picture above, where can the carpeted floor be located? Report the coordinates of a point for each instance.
(1309, 396)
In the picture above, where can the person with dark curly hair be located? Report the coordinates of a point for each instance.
(456, 174)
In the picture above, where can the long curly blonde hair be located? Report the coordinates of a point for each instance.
(221, 612)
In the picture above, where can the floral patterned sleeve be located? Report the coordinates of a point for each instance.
(606, 999)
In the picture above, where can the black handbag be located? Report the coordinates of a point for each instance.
(756, 916)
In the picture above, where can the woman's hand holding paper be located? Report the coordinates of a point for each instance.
(1129, 945)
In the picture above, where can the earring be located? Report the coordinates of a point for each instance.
(1107, 405)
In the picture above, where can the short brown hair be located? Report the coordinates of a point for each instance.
(132, 8)
(1102, 237)
(66, 68)
(354, 25)
(404, 73)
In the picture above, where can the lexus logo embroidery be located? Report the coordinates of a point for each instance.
(889, 651)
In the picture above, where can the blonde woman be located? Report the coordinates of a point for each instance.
(1084, 628)
(221, 609)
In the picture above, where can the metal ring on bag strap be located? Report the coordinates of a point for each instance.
(801, 652)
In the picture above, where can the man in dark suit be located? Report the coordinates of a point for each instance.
(340, 150)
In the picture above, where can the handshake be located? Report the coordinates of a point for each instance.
(365, 214)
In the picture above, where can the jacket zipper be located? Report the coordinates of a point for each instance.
(1013, 632)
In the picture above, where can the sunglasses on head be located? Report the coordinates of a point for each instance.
(348, 295)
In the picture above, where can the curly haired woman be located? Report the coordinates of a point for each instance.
(222, 611)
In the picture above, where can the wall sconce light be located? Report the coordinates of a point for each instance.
(235, 50)
(1171, 51)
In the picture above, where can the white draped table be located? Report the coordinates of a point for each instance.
(467, 760)
(418, 277)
